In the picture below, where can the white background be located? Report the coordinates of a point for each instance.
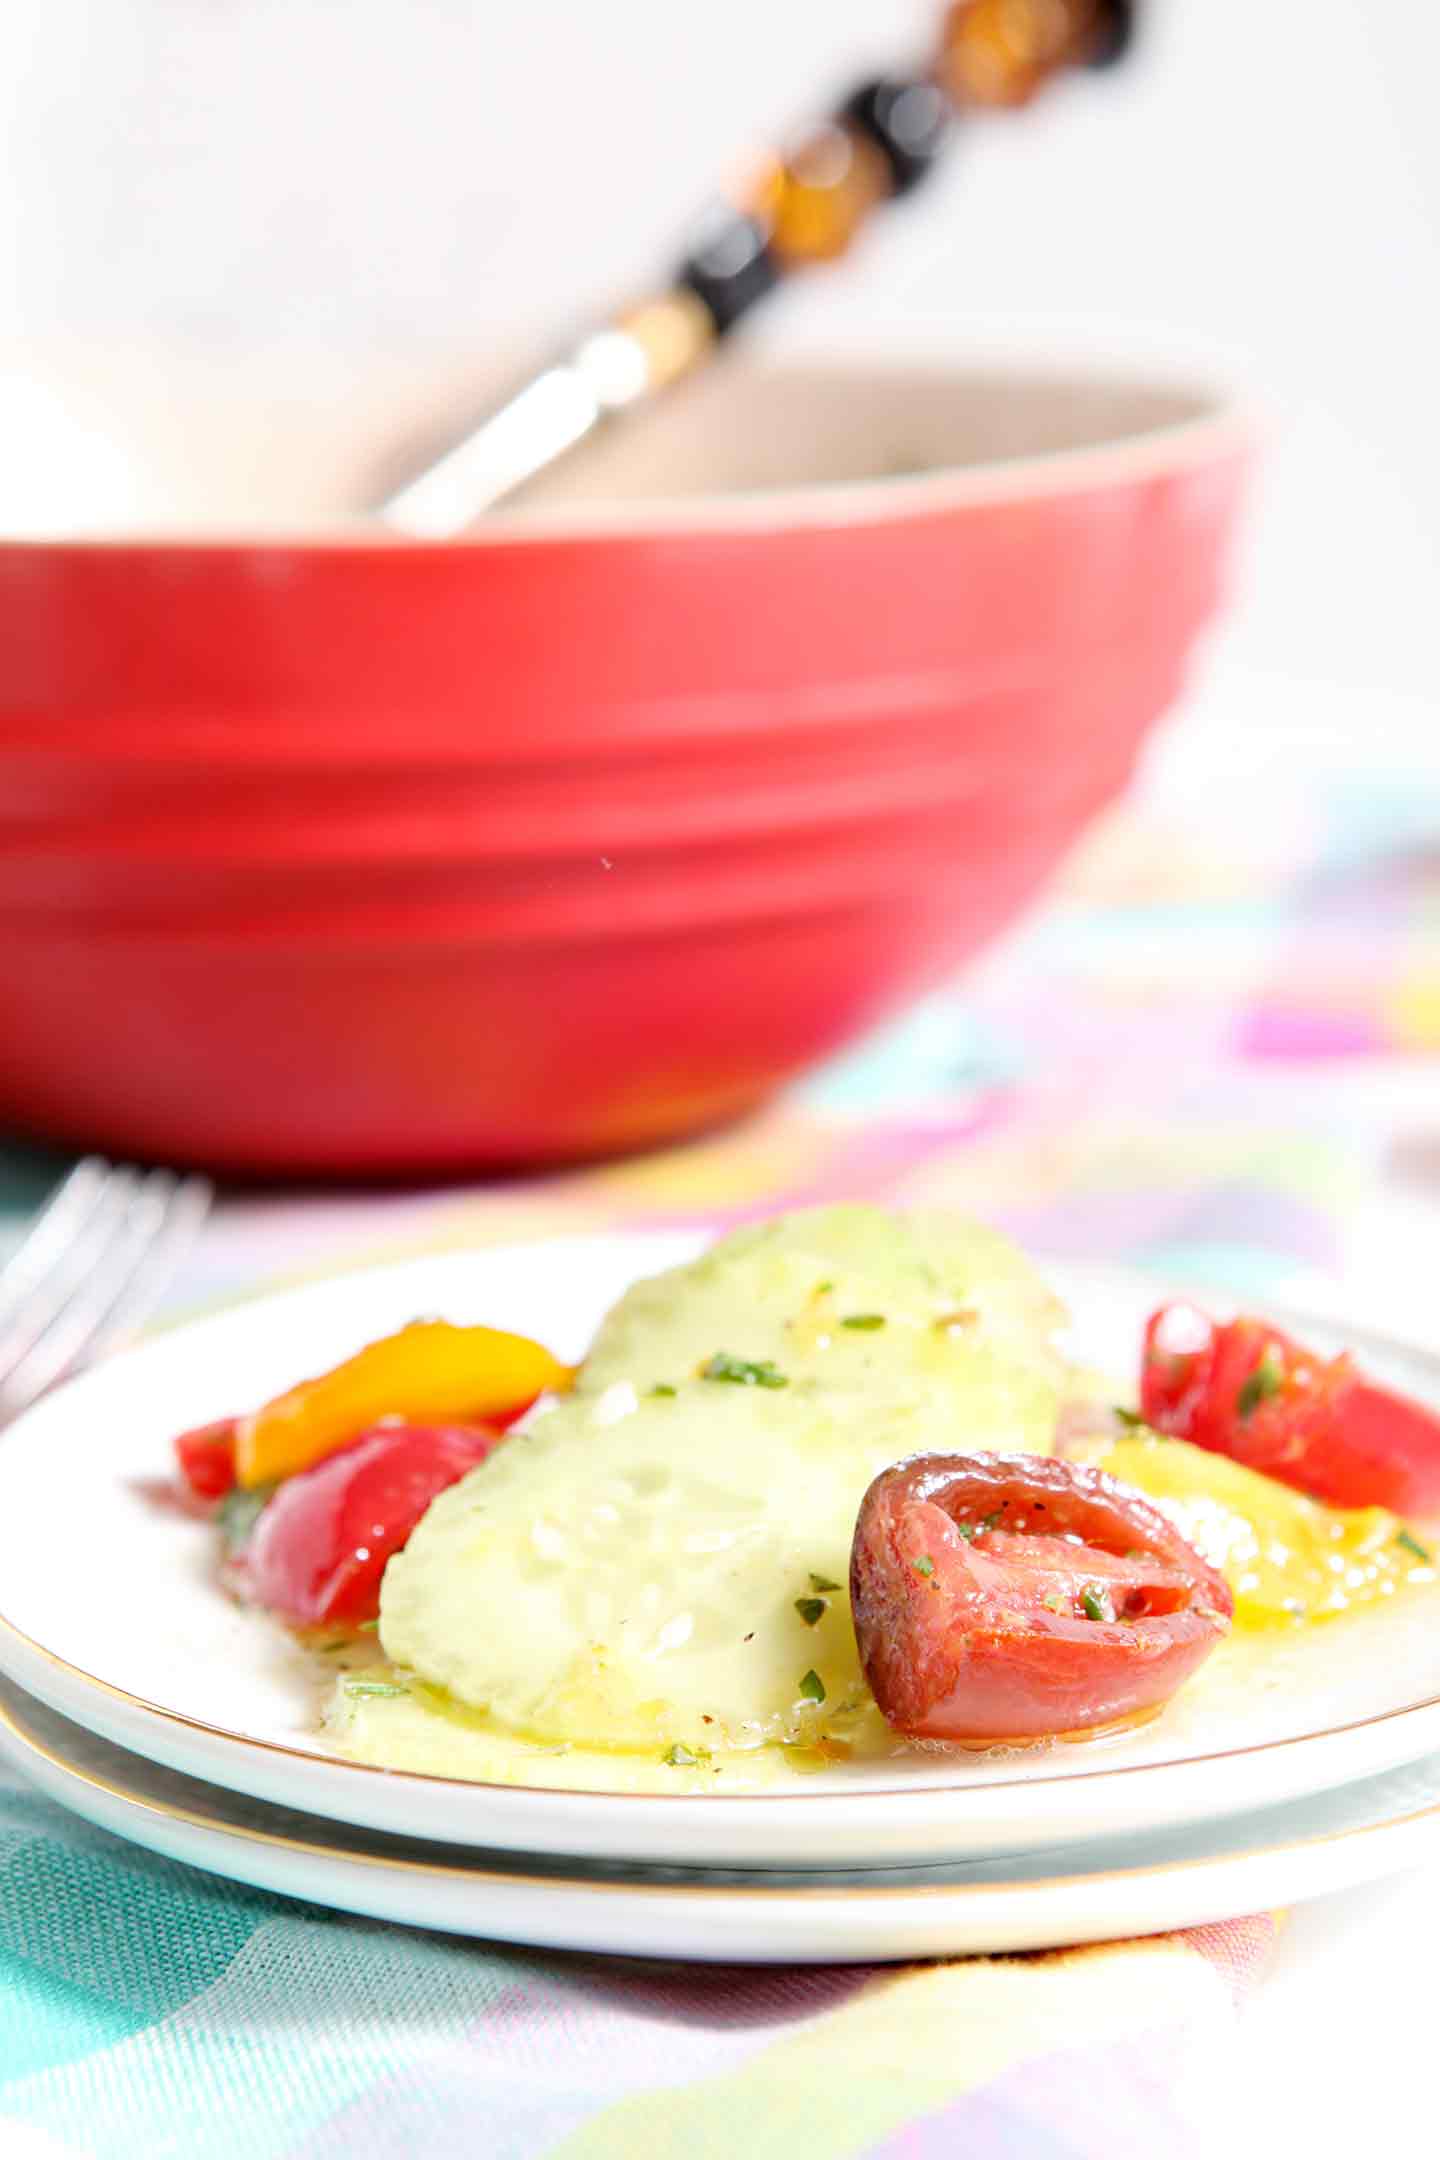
(337, 176)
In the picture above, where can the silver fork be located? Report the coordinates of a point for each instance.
(92, 1268)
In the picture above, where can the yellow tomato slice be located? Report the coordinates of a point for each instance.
(430, 1370)
(1288, 1558)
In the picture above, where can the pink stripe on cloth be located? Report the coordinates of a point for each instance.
(1290, 1031)
(1131, 2097)
(1123, 2101)
(846, 1162)
(1241, 1951)
(569, 2042)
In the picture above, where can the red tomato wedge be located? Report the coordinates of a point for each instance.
(1014, 1598)
(206, 1457)
(320, 1546)
(206, 1454)
(1245, 1389)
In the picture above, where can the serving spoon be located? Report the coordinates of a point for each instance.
(804, 206)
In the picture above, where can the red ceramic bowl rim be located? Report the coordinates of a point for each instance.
(1224, 424)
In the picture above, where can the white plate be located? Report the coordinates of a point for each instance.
(109, 1612)
(1088, 1893)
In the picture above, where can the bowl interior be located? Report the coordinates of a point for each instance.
(742, 430)
(141, 446)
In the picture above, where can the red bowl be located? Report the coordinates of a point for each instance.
(345, 854)
(702, 832)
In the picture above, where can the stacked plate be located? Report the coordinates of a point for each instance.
(361, 855)
(137, 1695)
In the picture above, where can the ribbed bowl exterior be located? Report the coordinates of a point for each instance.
(342, 858)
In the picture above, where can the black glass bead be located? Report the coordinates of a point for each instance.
(910, 121)
(730, 267)
(1115, 35)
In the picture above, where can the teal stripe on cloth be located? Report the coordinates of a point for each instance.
(314, 2011)
(49, 2021)
(98, 1940)
(147, 1935)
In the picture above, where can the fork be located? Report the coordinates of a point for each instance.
(92, 1268)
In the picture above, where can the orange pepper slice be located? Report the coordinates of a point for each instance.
(429, 1370)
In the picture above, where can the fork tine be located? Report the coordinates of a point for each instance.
(92, 1233)
(187, 1207)
(51, 1234)
(103, 1294)
(58, 1320)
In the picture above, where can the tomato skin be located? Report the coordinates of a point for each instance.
(955, 1632)
(430, 1371)
(319, 1549)
(1252, 1392)
(206, 1456)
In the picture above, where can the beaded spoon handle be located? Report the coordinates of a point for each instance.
(806, 206)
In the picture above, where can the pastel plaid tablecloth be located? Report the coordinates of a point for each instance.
(1214, 1053)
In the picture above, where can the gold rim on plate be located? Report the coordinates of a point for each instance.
(316, 1849)
(708, 1800)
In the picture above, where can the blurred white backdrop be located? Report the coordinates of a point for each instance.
(1260, 187)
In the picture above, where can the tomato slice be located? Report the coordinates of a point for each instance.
(1013, 1598)
(319, 1548)
(206, 1456)
(1248, 1390)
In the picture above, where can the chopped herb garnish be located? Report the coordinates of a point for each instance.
(1408, 1542)
(238, 1514)
(328, 1649)
(1094, 1603)
(369, 1627)
(1267, 1379)
(680, 1758)
(1130, 1419)
(1055, 1601)
(924, 1565)
(823, 1289)
(812, 1610)
(822, 1582)
(1252, 1393)
(662, 1387)
(992, 1522)
(374, 1687)
(968, 1530)
(864, 1322)
(812, 1687)
(743, 1372)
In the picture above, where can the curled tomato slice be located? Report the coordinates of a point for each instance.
(322, 1541)
(430, 1372)
(1248, 1390)
(1013, 1598)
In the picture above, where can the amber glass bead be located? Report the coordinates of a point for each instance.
(909, 120)
(1000, 52)
(814, 202)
